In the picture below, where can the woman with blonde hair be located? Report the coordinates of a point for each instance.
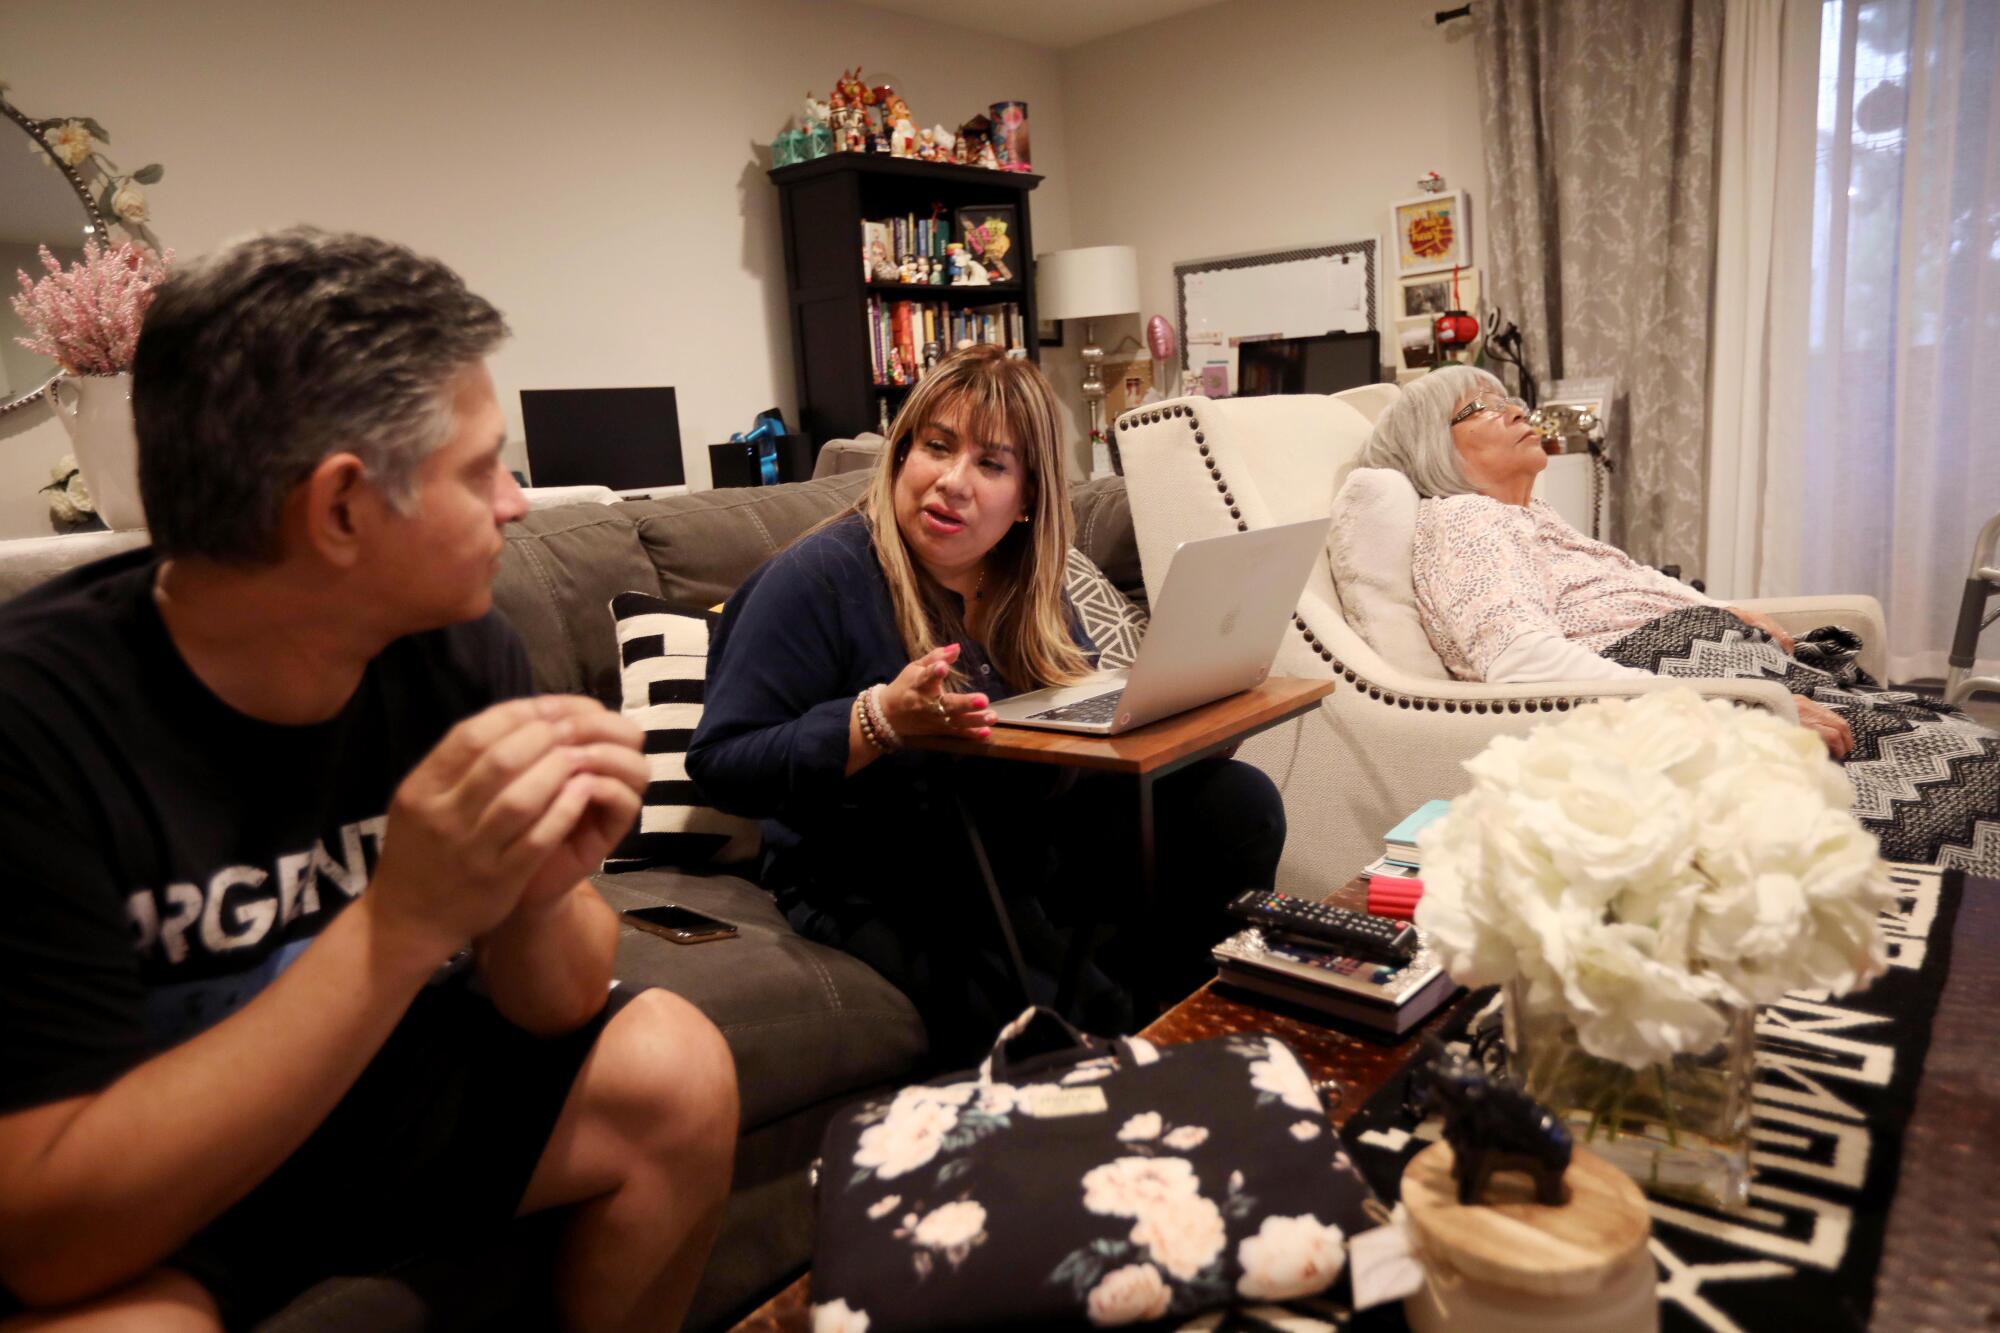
(940, 591)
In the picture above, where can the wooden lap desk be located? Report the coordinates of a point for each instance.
(1146, 754)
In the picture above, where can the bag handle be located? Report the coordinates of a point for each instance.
(1039, 1037)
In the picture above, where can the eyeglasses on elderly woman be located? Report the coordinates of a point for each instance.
(1499, 407)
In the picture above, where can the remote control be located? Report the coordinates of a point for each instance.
(1325, 924)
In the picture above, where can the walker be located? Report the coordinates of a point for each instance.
(1982, 584)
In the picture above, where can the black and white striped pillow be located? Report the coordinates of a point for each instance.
(663, 666)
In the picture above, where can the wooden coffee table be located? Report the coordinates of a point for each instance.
(1347, 1069)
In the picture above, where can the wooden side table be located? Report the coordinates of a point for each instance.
(1146, 754)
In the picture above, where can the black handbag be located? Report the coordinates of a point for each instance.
(1073, 1181)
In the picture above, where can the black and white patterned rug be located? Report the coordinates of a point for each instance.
(1836, 1082)
(1926, 777)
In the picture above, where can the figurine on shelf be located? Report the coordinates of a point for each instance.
(907, 272)
(954, 264)
(961, 150)
(896, 122)
(897, 375)
(927, 148)
(937, 272)
(847, 109)
(816, 125)
(1491, 1126)
(975, 273)
(946, 143)
(987, 157)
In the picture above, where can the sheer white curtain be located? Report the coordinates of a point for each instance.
(1767, 91)
(1898, 464)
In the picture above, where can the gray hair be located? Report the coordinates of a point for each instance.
(1414, 435)
(257, 362)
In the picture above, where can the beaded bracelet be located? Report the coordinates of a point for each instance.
(886, 737)
(866, 723)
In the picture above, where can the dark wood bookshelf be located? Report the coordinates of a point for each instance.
(822, 204)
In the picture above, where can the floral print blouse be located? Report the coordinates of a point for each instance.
(1487, 573)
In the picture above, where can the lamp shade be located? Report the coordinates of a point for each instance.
(1095, 281)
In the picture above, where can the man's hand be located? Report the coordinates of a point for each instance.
(1758, 620)
(615, 772)
(1831, 726)
(502, 806)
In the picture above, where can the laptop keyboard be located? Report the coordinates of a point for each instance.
(1097, 708)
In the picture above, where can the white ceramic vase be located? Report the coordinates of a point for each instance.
(96, 410)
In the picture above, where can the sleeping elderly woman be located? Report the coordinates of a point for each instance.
(1509, 592)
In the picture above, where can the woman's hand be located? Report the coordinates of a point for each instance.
(1831, 726)
(1758, 620)
(917, 703)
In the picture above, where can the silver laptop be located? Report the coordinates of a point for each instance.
(1217, 624)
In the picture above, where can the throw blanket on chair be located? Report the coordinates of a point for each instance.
(1926, 777)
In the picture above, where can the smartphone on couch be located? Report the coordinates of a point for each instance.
(682, 925)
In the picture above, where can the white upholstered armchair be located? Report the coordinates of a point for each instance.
(1392, 734)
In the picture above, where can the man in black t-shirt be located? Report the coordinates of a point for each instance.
(301, 971)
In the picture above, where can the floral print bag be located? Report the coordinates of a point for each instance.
(1072, 1181)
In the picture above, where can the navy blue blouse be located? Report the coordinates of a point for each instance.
(810, 629)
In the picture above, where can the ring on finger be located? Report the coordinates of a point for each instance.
(943, 712)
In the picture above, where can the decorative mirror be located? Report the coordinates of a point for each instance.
(57, 190)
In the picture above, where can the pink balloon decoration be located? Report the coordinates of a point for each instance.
(1160, 337)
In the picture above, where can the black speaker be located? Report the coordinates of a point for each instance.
(761, 463)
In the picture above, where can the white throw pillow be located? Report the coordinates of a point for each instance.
(663, 666)
(1368, 553)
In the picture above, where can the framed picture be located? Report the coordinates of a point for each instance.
(1431, 232)
(1127, 381)
(989, 235)
(1430, 294)
(1416, 345)
(1048, 332)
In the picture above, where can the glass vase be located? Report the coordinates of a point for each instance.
(1681, 1128)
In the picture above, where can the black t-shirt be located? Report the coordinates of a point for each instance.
(166, 856)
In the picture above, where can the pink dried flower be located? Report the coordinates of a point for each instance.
(87, 317)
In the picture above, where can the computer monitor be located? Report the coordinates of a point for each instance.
(1325, 364)
(627, 439)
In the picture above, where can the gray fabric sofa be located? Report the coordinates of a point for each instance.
(811, 1028)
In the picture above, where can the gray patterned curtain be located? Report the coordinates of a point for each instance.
(1599, 119)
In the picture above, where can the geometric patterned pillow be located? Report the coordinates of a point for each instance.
(663, 666)
(1111, 619)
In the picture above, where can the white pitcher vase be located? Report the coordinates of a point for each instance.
(96, 410)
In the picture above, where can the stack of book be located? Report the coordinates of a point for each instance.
(1381, 995)
(1376, 994)
(1399, 846)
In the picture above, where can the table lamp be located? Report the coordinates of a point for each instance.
(1089, 284)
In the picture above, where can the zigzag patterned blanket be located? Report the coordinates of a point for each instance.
(1926, 777)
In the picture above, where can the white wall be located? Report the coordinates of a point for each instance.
(1263, 125)
(595, 168)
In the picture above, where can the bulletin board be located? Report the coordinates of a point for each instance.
(1299, 293)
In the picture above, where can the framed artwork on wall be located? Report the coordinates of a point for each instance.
(1048, 332)
(989, 234)
(1431, 294)
(1431, 232)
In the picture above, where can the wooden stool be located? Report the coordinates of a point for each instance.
(1513, 1264)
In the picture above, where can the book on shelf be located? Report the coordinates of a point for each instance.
(893, 240)
(919, 331)
(1400, 843)
(1385, 997)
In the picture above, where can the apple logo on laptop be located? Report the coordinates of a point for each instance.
(1228, 625)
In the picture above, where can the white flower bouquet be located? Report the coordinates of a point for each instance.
(1644, 873)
